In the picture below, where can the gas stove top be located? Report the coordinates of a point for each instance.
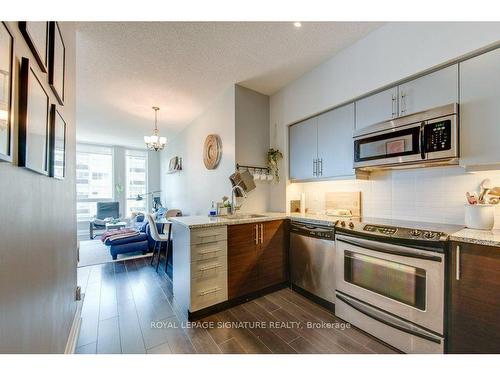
(397, 229)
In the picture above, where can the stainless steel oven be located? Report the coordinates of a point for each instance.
(395, 292)
(422, 138)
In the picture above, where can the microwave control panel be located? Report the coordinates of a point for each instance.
(438, 136)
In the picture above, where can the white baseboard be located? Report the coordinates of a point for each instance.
(74, 333)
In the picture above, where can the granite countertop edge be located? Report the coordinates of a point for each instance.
(191, 221)
(478, 237)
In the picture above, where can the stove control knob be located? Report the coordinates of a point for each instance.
(342, 223)
(429, 235)
(416, 232)
(351, 225)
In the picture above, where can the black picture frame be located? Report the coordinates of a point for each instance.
(57, 61)
(33, 152)
(57, 144)
(6, 94)
(36, 34)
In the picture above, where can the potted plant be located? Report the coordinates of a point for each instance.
(273, 157)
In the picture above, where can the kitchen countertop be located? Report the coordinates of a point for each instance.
(207, 221)
(480, 237)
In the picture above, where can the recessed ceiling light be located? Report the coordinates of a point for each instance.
(297, 24)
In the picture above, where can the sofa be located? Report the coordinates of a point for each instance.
(143, 243)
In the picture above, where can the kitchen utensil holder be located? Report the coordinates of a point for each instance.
(480, 216)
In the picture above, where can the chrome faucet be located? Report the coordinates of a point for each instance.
(233, 206)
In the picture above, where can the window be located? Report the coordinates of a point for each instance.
(94, 179)
(136, 164)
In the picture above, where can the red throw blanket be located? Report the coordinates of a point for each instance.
(118, 234)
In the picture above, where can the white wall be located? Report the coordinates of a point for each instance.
(154, 170)
(38, 234)
(390, 53)
(429, 195)
(194, 188)
(241, 118)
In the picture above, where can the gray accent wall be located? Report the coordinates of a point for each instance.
(252, 141)
(38, 232)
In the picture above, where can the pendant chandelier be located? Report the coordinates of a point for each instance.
(155, 142)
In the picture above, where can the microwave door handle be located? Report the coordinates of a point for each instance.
(422, 140)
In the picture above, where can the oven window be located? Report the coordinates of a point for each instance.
(398, 143)
(397, 281)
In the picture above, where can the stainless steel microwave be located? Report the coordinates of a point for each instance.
(425, 138)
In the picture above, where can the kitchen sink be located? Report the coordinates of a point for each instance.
(244, 216)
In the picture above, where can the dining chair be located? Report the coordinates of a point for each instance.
(159, 240)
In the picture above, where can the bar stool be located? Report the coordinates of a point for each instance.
(159, 239)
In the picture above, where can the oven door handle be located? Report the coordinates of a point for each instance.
(388, 319)
(388, 248)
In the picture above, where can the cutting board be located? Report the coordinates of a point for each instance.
(344, 201)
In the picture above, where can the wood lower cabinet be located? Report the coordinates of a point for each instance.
(474, 299)
(257, 257)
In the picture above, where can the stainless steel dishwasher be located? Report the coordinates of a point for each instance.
(312, 261)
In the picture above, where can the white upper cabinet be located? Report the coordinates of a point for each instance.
(430, 91)
(427, 92)
(335, 145)
(303, 149)
(377, 108)
(480, 111)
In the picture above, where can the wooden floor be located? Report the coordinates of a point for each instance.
(123, 299)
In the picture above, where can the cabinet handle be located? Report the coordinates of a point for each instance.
(261, 233)
(208, 268)
(208, 251)
(457, 265)
(314, 167)
(209, 291)
(403, 102)
(256, 234)
(321, 167)
(393, 106)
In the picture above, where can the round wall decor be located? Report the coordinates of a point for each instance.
(212, 151)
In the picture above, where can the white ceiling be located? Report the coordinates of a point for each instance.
(125, 68)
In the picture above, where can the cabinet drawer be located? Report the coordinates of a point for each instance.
(208, 235)
(208, 290)
(210, 268)
(208, 250)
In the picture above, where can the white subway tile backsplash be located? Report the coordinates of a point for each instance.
(425, 194)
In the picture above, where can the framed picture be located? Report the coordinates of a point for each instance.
(57, 61)
(33, 121)
(175, 164)
(6, 65)
(57, 144)
(36, 35)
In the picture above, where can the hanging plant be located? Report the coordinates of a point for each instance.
(273, 157)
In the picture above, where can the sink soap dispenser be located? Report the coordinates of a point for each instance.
(213, 210)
